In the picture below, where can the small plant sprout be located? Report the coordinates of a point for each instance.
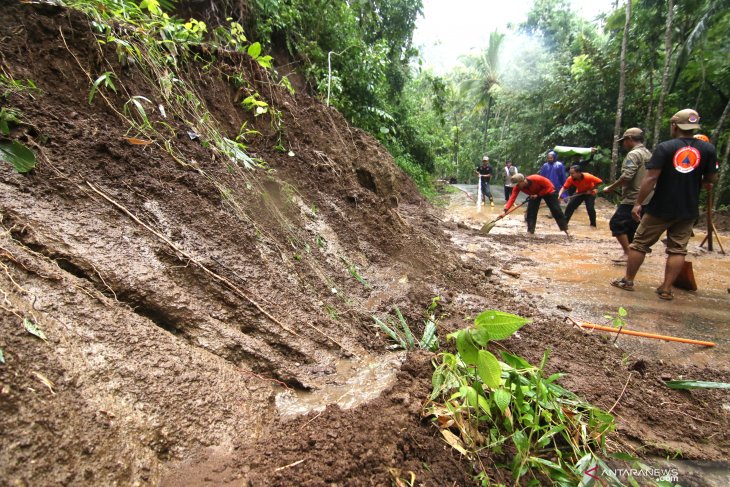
(136, 103)
(8, 116)
(401, 333)
(253, 103)
(105, 81)
(618, 321)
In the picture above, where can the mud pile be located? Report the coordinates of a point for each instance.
(180, 291)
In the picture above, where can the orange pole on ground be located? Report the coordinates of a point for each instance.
(624, 331)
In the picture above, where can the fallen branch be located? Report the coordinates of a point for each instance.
(622, 393)
(514, 274)
(290, 465)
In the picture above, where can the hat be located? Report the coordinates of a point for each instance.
(518, 178)
(686, 119)
(633, 132)
(485, 158)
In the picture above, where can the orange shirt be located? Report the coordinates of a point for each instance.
(539, 185)
(585, 185)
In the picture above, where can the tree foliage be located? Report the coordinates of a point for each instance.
(561, 87)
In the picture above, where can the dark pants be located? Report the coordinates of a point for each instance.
(551, 201)
(622, 223)
(507, 192)
(486, 190)
(590, 202)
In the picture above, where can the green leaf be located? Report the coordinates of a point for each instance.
(466, 348)
(489, 369)
(33, 329)
(545, 438)
(502, 398)
(254, 50)
(480, 336)
(406, 329)
(696, 384)
(428, 341)
(622, 312)
(624, 457)
(515, 361)
(264, 61)
(484, 405)
(2, 356)
(498, 324)
(471, 396)
(18, 155)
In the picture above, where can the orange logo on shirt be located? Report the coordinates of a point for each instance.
(686, 159)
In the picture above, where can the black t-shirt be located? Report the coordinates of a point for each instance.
(683, 163)
(485, 170)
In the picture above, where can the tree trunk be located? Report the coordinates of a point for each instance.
(718, 129)
(722, 188)
(621, 92)
(486, 121)
(650, 107)
(665, 74)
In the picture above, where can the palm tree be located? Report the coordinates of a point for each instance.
(482, 78)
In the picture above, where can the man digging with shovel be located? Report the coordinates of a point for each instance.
(536, 188)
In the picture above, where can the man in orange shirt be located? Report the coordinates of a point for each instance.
(585, 191)
(537, 188)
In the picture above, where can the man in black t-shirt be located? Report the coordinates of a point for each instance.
(485, 172)
(676, 172)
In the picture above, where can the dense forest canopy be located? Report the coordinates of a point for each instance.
(561, 89)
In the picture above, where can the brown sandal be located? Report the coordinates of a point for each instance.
(665, 295)
(624, 284)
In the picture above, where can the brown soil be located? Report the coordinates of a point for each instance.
(168, 341)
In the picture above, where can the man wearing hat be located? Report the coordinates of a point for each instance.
(622, 224)
(485, 172)
(676, 172)
(536, 188)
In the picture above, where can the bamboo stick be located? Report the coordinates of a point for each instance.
(646, 335)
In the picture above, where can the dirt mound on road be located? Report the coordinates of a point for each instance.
(180, 291)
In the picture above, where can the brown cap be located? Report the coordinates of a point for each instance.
(518, 178)
(633, 132)
(686, 119)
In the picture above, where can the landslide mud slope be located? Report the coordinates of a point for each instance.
(177, 292)
(180, 291)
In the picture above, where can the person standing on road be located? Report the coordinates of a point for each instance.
(585, 185)
(508, 172)
(633, 169)
(537, 188)
(583, 164)
(485, 172)
(554, 170)
(676, 171)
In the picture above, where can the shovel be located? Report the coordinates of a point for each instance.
(488, 226)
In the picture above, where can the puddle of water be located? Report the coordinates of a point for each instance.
(355, 382)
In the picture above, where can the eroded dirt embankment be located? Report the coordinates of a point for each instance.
(179, 294)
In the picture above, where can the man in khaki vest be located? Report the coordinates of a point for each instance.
(633, 169)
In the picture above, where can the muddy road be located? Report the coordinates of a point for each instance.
(573, 278)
